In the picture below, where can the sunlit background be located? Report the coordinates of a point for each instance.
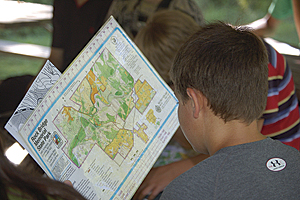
(16, 154)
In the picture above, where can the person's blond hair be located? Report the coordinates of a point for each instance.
(162, 36)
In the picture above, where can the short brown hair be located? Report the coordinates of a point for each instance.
(229, 66)
(162, 37)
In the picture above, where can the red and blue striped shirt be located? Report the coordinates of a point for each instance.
(281, 116)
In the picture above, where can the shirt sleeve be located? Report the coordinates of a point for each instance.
(281, 9)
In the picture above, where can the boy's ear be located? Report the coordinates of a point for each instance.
(197, 101)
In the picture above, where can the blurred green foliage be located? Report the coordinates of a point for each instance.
(48, 2)
(32, 35)
(14, 65)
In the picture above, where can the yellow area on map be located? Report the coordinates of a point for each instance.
(94, 83)
(66, 110)
(104, 83)
(122, 144)
(151, 117)
(141, 133)
(145, 93)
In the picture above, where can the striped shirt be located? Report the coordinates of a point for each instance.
(281, 116)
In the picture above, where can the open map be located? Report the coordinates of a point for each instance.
(105, 121)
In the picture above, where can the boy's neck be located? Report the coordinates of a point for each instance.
(232, 133)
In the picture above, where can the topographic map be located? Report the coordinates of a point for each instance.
(48, 75)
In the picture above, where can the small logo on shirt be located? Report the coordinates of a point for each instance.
(276, 164)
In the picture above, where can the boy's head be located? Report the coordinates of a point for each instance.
(229, 66)
(162, 37)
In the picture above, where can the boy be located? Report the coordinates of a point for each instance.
(221, 81)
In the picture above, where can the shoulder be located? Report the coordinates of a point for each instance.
(278, 67)
(199, 181)
(276, 60)
(235, 172)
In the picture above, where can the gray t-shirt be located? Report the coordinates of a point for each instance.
(266, 169)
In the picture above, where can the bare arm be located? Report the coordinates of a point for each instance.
(265, 26)
(159, 177)
(56, 57)
(296, 10)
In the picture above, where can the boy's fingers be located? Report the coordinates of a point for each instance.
(68, 183)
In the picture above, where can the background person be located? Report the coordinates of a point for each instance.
(281, 118)
(74, 23)
(133, 14)
(278, 10)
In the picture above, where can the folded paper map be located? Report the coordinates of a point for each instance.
(104, 122)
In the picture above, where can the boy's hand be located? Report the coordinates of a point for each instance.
(155, 182)
(159, 177)
(67, 182)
